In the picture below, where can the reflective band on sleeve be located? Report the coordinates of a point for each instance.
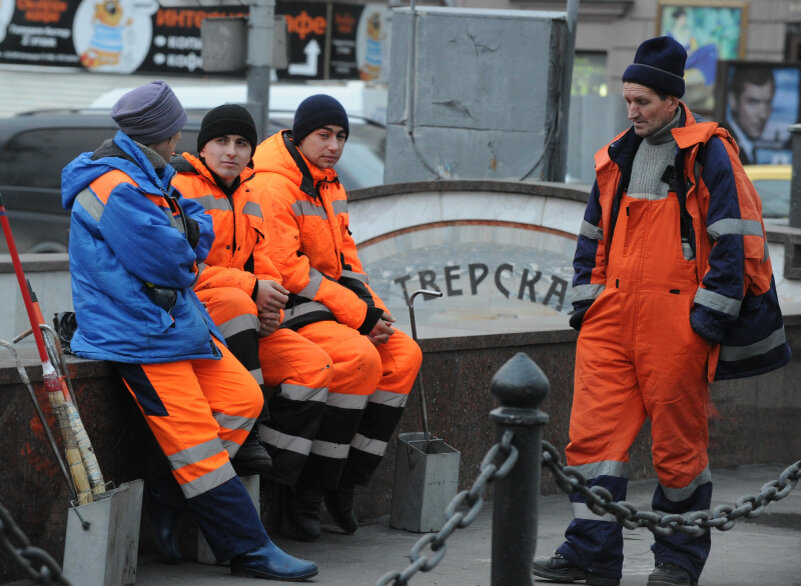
(343, 401)
(371, 446)
(590, 231)
(300, 393)
(252, 209)
(679, 494)
(209, 202)
(257, 375)
(196, 453)
(733, 353)
(303, 309)
(605, 468)
(330, 449)
(389, 399)
(582, 511)
(586, 292)
(91, 204)
(718, 302)
(734, 226)
(282, 441)
(208, 481)
(315, 280)
(307, 208)
(239, 324)
(361, 277)
(340, 206)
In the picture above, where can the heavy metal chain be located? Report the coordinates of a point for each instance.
(36, 563)
(506, 455)
(723, 517)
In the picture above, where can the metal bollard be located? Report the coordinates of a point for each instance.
(520, 387)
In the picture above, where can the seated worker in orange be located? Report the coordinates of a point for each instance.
(134, 248)
(331, 304)
(238, 283)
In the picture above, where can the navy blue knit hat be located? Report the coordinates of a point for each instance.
(317, 111)
(659, 65)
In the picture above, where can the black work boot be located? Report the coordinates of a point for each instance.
(165, 514)
(560, 569)
(252, 457)
(302, 512)
(339, 503)
(667, 574)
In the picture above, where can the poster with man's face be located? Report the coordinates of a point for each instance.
(757, 103)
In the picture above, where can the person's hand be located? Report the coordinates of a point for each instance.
(382, 330)
(271, 296)
(269, 322)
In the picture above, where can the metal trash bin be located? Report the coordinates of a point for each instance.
(426, 480)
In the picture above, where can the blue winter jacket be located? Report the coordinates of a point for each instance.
(132, 266)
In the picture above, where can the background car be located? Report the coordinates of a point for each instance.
(772, 182)
(35, 147)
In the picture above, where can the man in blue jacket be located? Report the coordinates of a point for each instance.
(134, 248)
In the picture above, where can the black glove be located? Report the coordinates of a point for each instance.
(192, 232)
(578, 315)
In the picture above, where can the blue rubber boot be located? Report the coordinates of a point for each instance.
(269, 561)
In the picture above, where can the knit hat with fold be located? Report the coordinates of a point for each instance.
(659, 65)
(149, 114)
(315, 112)
(227, 119)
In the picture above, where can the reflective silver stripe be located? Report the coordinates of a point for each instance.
(257, 374)
(389, 399)
(647, 196)
(354, 275)
(209, 202)
(343, 401)
(196, 453)
(300, 393)
(774, 340)
(718, 302)
(766, 253)
(208, 481)
(582, 511)
(234, 422)
(734, 226)
(282, 441)
(303, 309)
(605, 468)
(371, 446)
(251, 208)
(330, 450)
(307, 208)
(340, 206)
(679, 494)
(91, 204)
(201, 267)
(315, 280)
(590, 231)
(586, 292)
(238, 324)
(231, 447)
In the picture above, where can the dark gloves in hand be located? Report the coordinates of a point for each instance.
(705, 325)
(578, 315)
(192, 232)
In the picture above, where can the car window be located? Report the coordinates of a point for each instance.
(775, 196)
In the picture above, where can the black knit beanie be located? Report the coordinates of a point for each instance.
(659, 65)
(227, 119)
(317, 111)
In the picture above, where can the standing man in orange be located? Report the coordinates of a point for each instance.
(331, 304)
(238, 283)
(135, 245)
(672, 288)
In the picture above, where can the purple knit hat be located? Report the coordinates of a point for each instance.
(149, 114)
(659, 65)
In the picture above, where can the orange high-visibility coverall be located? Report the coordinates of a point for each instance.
(237, 260)
(333, 305)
